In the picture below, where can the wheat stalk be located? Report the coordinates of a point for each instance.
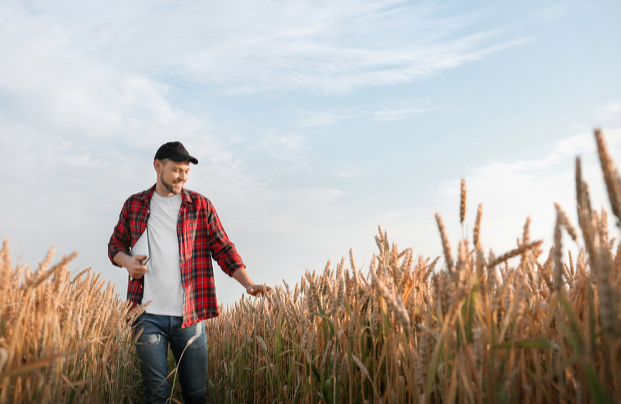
(558, 252)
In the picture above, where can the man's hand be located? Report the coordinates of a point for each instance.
(252, 288)
(258, 290)
(135, 267)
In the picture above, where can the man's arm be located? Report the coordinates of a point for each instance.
(241, 276)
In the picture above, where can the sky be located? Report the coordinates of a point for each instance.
(314, 122)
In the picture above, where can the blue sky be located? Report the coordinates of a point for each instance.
(314, 122)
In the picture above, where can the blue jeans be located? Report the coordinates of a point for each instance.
(158, 332)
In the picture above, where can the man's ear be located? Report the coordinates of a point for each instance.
(157, 164)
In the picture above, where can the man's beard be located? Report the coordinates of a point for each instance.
(169, 187)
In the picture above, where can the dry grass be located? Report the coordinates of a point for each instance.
(523, 327)
(62, 340)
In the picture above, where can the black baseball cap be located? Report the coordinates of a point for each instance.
(174, 151)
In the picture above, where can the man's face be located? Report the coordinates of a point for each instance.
(171, 176)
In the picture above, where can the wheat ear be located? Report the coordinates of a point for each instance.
(611, 176)
(476, 235)
(513, 253)
(446, 246)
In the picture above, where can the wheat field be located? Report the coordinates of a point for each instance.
(526, 326)
(63, 340)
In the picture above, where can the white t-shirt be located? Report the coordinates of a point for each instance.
(162, 282)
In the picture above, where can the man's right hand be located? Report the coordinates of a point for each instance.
(134, 266)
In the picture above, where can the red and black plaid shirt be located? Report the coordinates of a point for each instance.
(201, 237)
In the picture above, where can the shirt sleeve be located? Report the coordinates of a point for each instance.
(119, 241)
(222, 249)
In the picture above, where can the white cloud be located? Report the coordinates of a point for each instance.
(518, 168)
(401, 112)
(62, 92)
(394, 112)
(325, 47)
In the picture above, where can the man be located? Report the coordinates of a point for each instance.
(183, 234)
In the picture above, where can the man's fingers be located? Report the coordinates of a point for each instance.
(257, 290)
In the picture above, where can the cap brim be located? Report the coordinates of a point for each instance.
(180, 157)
